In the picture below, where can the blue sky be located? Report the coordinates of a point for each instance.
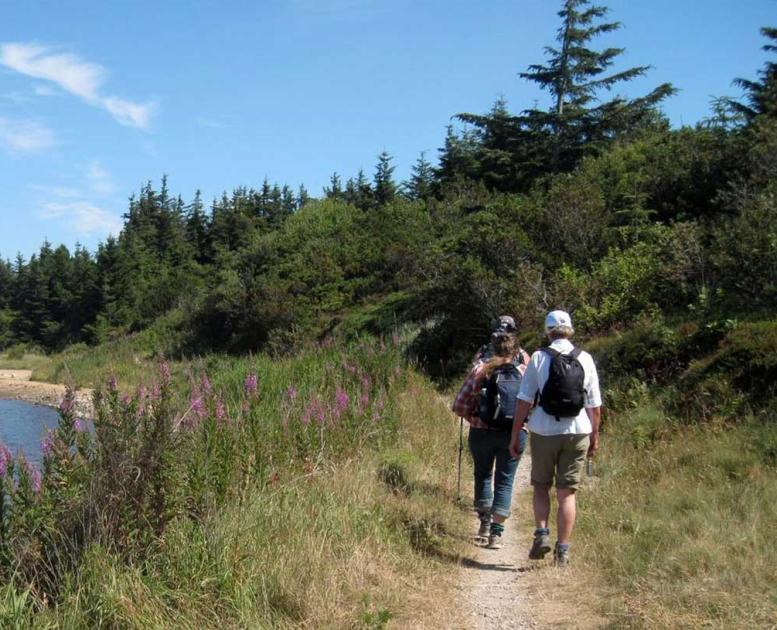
(98, 97)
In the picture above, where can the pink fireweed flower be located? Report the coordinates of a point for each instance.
(291, 392)
(198, 406)
(142, 395)
(125, 400)
(314, 410)
(35, 480)
(78, 425)
(366, 382)
(364, 402)
(66, 406)
(341, 400)
(164, 372)
(47, 444)
(221, 411)
(156, 392)
(251, 385)
(205, 384)
(5, 459)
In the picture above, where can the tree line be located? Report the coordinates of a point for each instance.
(597, 205)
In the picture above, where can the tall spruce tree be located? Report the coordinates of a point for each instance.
(575, 75)
(512, 151)
(419, 186)
(760, 95)
(384, 187)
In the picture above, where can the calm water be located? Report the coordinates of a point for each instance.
(22, 426)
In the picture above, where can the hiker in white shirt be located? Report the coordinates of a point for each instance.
(559, 443)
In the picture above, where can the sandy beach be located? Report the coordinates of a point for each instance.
(16, 385)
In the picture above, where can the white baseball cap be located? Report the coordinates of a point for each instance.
(557, 318)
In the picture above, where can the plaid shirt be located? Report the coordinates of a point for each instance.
(466, 403)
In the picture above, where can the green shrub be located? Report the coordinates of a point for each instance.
(737, 377)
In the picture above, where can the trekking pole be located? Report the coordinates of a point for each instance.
(461, 448)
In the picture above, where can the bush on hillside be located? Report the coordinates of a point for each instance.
(738, 377)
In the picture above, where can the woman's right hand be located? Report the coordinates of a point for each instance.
(515, 447)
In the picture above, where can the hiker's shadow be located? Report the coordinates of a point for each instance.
(491, 566)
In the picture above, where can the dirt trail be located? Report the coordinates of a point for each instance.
(494, 582)
(16, 385)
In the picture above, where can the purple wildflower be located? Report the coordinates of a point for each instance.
(341, 400)
(142, 394)
(35, 480)
(125, 400)
(66, 406)
(156, 392)
(251, 385)
(365, 381)
(314, 410)
(78, 425)
(205, 384)
(198, 406)
(47, 444)
(164, 372)
(291, 392)
(5, 459)
(221, 411)
(364, 402)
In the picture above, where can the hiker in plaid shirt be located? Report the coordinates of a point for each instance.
(494, 467)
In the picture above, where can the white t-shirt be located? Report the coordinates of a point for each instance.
(534, 380)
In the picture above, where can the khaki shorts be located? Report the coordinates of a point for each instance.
(559, 456)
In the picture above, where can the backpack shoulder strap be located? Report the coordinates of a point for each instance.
(551, 351)
(575, 353)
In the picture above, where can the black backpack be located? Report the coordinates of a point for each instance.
(564, 393)
(499, 396)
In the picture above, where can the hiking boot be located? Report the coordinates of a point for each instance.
(494, 541)
(539, 547)
(485, 527)
(561, 557)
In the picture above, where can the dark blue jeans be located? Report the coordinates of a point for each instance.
(494, 470)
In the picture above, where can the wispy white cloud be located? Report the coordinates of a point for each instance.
(85, 218)
(100, 180)
(25, 136)
(77, 76)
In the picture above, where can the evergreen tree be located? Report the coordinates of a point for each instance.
(419, 186)
(458, 159)
(334, 190)
(384, 187)
(761, 95)
(574, 76)
(302, 197)
(358, 191)
(197, 229)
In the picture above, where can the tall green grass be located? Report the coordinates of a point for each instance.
(279, 514)
(682, 520)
